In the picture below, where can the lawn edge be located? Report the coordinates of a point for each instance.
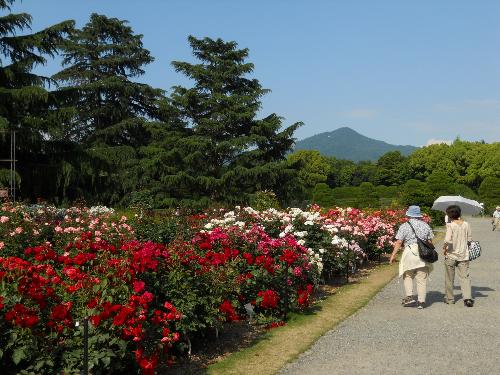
(282, 345)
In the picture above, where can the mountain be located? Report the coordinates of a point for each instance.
(345, 143)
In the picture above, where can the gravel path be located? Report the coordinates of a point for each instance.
(386, 338)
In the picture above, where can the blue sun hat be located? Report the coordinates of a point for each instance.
(413, 211)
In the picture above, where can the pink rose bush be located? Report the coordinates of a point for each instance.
(334, 240)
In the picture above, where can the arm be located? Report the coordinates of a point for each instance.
(397, 246)
(447, 239)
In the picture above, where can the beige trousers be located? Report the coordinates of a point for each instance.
(420, 275)
(463, 276)
(496, 223)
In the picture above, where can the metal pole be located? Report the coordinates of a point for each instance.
(11, 174)
(14, 162)
(85, 346)
(286, 291)
(347, 267)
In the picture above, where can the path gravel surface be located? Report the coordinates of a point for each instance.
(386, 338)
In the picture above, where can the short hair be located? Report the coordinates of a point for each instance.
(454, 212)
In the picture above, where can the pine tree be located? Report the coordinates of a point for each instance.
(224, 153)
(105, 110)
(24, 98)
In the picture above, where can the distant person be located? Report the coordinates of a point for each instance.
(456, 256)
(447, 220)
(496, 218)
(411, 266)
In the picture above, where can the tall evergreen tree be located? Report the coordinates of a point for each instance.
(225, 152)
(24, 98)
(104, 108)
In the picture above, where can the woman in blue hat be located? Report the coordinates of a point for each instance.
(411, 267)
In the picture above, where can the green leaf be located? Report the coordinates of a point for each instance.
(106, 361)
(19, 354)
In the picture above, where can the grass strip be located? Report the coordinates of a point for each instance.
(284, 344)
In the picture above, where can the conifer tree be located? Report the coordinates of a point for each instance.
(24, 98)
(104, 108)
(225, 152)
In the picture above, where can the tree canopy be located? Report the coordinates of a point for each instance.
(223, 151)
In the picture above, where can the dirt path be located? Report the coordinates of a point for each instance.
(386, 338)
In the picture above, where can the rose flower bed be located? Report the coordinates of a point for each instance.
(145, 300)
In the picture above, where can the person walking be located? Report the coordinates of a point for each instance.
(456, 256)
(411, 267)
(496, 218)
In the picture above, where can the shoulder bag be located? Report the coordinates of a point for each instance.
(474, 250)
(426, 250)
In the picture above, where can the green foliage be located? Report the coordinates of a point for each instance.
(24, 99)
(263, 200)
(391, 169)
(439, 183)
(416, 193)
(160, 226)
(465, 191)
(323, 196)
(5, 176)
(313, 167)
(221, 151)
(466, 162)
(103, 108)
(489, 192)
(368, 196)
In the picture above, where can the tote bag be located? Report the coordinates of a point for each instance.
(474, 250)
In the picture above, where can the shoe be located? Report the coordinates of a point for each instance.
(408, 301)
(449, 301)
(420, 305)
(468, 302)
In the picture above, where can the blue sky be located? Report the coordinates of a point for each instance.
(406, 72)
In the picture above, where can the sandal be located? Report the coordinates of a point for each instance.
(468, 302)
(407, 301)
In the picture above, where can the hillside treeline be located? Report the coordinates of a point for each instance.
(470, 169)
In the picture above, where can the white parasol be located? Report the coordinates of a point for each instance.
(468, 206)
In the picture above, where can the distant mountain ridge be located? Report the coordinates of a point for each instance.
(345, 143)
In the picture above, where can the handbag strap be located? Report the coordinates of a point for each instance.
(413, 229)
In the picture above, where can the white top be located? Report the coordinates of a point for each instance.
(496, 214)
(458, 233)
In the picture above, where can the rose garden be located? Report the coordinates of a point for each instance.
(146, 284)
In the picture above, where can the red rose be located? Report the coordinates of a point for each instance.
(139, 286)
